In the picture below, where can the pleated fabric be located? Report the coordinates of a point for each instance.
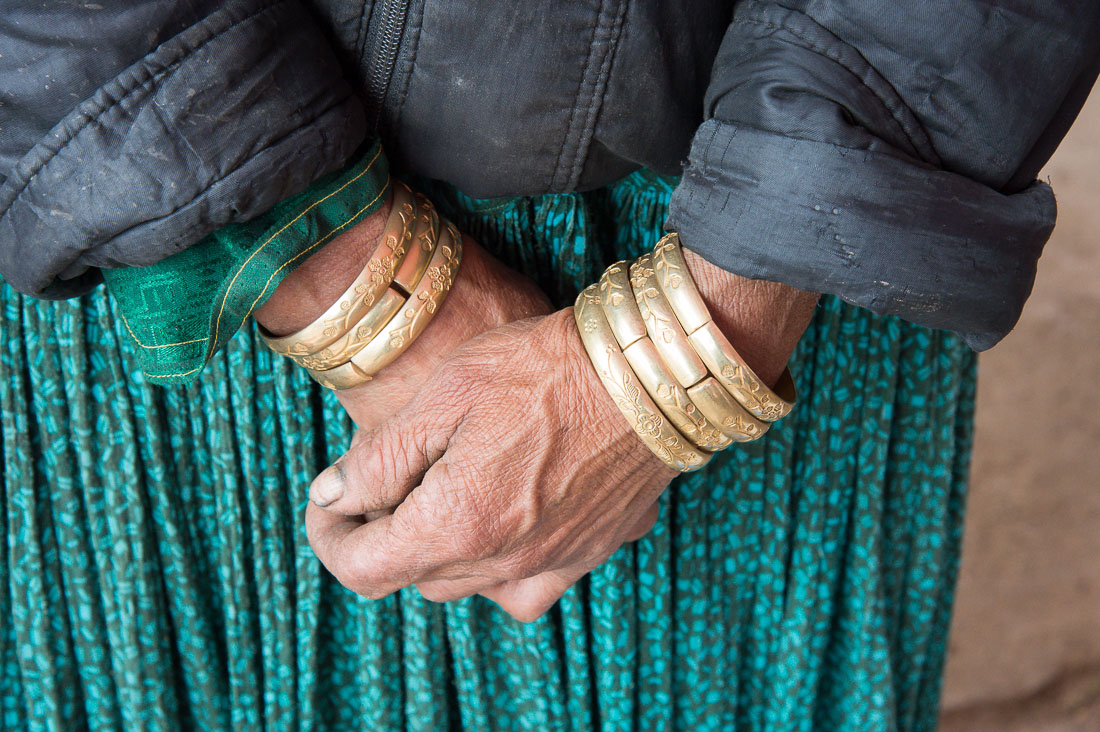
(155, 575)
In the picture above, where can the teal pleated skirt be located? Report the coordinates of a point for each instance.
(155, 574)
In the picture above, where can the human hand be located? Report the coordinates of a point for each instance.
(485, 294)
(511, 463)
(517, 499)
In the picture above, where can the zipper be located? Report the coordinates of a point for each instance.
(384, 41)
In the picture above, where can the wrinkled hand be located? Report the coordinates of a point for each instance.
(486, 294)
(512, 472)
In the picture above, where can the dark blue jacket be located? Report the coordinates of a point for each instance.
(884, 152)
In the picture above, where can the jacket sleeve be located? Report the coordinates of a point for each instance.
(887, 152)
(130, 131)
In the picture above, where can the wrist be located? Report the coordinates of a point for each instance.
(763, 320)
(316, 283)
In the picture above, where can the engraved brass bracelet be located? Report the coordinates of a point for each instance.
(422, 246)
(418, 309)
(364, 292)
(662, 325)
(621, 382)
(621, 311)
(674, 348)
(715, 350)
(668, 367)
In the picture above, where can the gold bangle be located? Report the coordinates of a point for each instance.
(388, 305)
(358, 337)
(662, 326)
(721, 409)
(393, 339)
(620, 381)
(619, 307)
(422, 246)
(721, 358)
(672, 399)
(739, 380)
(677, 284)
(364, 292)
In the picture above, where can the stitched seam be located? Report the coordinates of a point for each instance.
(153, 78)
(172, 376)
(304, 211)
(599, 88)
(153, 348)
(313, 246)
(589, 60)
(225, 297)
(809, 45)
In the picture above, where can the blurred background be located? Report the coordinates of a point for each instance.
(1025, 645)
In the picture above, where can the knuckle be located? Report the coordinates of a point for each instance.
(476, 539)
(525, 563)
(362, 574)
(433, 593)
(529, 609)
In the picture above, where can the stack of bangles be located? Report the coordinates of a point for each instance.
(679, 382)
(388, 304)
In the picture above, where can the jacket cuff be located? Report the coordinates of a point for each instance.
(181, 310)
(892, 235)
(820, 170)
(216, 125)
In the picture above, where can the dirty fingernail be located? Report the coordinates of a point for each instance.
(328, 486)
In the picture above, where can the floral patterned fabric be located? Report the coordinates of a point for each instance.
(154, 573)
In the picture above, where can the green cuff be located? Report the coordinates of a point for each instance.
(182, 309)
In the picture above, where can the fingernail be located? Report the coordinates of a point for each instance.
(328, 486)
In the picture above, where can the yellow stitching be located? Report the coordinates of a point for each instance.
(313, 246)
(170, 376)
(151, 348)
(218, 323)
(200, 340)
(303, 252)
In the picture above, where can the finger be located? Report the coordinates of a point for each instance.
(527, 600)
(383, 465)
(644, 524)
(376, 558)
(446, 590)
(372, 515)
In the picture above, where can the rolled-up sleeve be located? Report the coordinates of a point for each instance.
(886, 153)
(130, 131)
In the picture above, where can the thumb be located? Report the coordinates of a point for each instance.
(382, 465)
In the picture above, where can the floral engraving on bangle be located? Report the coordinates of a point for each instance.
(644, 291)
(427, 240)
(610, 291)
(741, 426)
(696, 427)
(427, 301)
(619, 382)
(750, 392)
(362, 297)
(668, 271)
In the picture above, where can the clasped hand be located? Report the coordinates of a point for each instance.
(509, 474)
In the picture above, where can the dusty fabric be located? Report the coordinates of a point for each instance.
(129, 132)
